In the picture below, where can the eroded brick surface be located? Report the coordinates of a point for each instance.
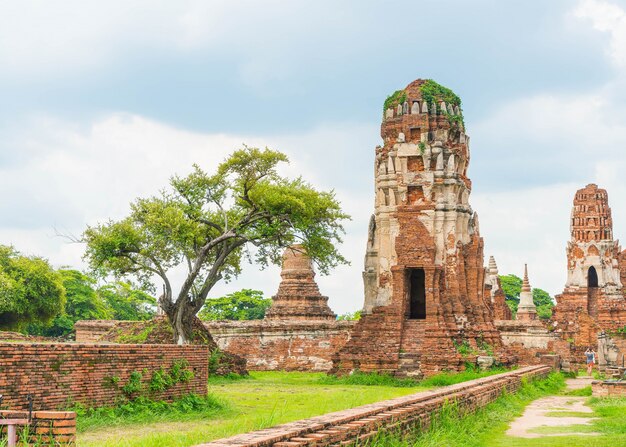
(593, 299)
(423, 227)
(298, 296)
(62, 374)
(57, 428)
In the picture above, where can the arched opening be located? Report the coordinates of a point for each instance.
(592, 291)
(592, 277)
(417, 294)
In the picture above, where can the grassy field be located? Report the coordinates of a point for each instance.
(487, 427)
(235, 406)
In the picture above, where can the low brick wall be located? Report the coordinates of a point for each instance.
(61, 374)
(608, 389)
(46, 427)
(400, 414)
(267, 345)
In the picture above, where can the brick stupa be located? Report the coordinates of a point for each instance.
(298, 296)
(526, 310)
(425, 302)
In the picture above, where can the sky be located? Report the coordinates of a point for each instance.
(101, 102)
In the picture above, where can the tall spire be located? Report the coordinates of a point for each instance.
(493, 267)
(526, 309)
(526, 283)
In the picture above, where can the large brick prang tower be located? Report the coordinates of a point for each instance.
(425, 300)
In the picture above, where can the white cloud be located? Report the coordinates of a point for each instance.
(610, 18)
(73, 177)
(559, 143)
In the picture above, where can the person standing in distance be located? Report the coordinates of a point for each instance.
(591, 360)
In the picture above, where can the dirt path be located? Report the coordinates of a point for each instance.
(552, 412)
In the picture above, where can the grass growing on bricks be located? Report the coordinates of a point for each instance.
(453, 428)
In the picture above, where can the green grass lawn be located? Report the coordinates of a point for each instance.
(263, 400)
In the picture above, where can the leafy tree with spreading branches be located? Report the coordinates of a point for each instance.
(207, 224)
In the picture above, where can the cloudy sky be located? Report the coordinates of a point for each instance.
(101, 102)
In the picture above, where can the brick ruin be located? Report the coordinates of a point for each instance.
(298, 296)
(593, 304)
(593, 300)
(424, 276)
(500, 309)
(299, 333)
(406, 415)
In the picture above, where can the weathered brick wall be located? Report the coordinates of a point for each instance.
(400, 414)
(290, 345)
(608, 389)
(46, 427)
(58, 375)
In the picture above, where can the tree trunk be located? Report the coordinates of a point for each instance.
(181, 318)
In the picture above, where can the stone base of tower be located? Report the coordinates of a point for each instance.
(453, 334)
(300, 308)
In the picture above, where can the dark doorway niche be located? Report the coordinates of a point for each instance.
(417, 294)
(592, 277)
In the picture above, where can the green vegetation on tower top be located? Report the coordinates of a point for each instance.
(434, 92)
(392, 101)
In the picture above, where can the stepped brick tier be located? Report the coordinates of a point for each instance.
(500, 309)
(56, 428)
(424, 276)
(298, 296)
(62, 374)
(401, 415)
(290, 345)
(526, 310)
(593, 300)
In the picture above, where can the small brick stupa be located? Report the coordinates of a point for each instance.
(526, 311)
(298, 296)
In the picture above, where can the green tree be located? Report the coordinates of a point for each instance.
(82, 303)
(350, 316)
(245, 304)
(206, 223)
(512, 287)
(544, 303)
(30, 290)
(127, 302)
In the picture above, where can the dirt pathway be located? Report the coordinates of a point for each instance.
(555, 412)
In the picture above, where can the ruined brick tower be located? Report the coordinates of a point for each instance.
(593, 298)
(500, 309)
(298, 296)
(425, 299)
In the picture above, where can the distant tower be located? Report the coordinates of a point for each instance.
(298, 296)
(593, 298)
(592, 254)
(526, 310)
(501, 310)
(424, 276)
